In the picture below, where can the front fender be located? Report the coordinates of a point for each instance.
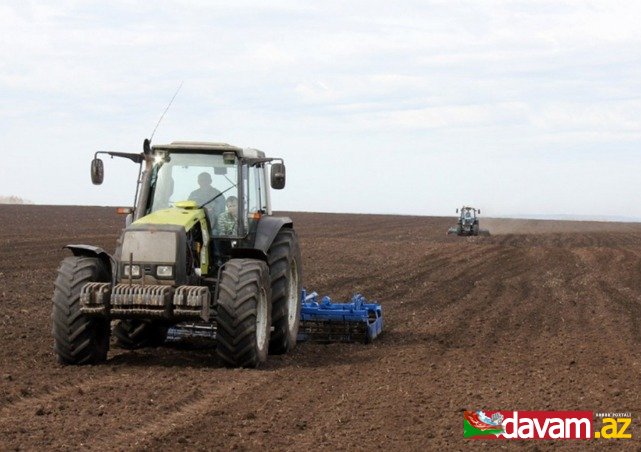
(94, 251)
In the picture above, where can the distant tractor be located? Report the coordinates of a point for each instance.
(201, 249)
(468, 223)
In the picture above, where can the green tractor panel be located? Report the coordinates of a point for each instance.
(201, 246)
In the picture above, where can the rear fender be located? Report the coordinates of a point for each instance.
(268, 228)
(266, 231)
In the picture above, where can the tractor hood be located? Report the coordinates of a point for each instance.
(185, 214)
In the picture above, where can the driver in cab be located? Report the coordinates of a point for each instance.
(204, 196)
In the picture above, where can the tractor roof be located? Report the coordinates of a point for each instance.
(207, 147)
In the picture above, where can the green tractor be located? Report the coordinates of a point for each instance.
(468, 223)
(200, 248)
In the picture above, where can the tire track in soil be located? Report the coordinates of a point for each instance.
(143, 408)
(209, 401)
(30, 403)
(306, 412)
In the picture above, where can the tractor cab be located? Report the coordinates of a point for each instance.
(214, 192)
(468, 215)
(222, 180)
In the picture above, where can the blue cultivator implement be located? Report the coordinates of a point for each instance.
(356, 321)
(324, 321)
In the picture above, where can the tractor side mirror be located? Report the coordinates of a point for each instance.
(456, 210)
(479, 211)
(278, 176)
(97, 171)
(146, 146)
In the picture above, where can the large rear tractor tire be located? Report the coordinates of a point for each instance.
(78, 338)
(132, 334)
(244, 313)
(285, 271)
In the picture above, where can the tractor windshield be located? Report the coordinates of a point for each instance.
(468, 214)
(203, 178)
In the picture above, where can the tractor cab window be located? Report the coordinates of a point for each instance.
(203, 178)
(255, 190)
(255, 199)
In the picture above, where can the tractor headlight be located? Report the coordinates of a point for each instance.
(132, 270)
(165, 271)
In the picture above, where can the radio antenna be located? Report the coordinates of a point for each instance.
(163, 113)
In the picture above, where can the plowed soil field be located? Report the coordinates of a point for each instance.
(542, 315)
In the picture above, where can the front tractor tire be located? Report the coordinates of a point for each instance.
(244, 313)
(131, 334)
(78, 338)
(285, 271)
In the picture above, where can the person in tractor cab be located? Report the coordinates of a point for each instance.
(228, 220)
(206, 193)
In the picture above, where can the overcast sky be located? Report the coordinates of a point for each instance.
(412, 107)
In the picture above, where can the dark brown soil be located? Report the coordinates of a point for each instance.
(540, 316)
